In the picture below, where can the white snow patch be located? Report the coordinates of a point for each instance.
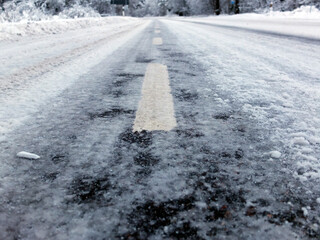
(304, 164)
(299, 134)
(275, 154)
(315, 227)
(309, 158)
(27, 155)
(201, 205)
(286, 95)
(314, 140)
(306, 150)
(303, 12)
(302, 178)
(318, 200)
(287, 105)
(16, 30)
(314, 175)
(300, 141)
(305, 211)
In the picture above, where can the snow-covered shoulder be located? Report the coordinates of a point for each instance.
(302, 22)
(16, 30)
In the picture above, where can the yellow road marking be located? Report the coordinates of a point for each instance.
(157, 41)
(155, 111)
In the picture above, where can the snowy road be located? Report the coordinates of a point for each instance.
(238, 156)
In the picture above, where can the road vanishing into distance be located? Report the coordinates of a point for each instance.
(160, 129)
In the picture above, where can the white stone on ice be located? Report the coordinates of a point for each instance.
(27, 155)
(275, 154)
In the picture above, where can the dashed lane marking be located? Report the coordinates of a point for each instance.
(157, 41)
(155, 110)
(157, 31)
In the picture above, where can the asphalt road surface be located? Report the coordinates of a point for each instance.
(185, 131)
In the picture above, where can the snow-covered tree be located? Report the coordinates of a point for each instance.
(179, 7)
(197, 7)
(101, 6)
(137, 8)
(16, 10)
(152, 8)
(277, 5)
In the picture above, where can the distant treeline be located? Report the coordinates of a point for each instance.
(139, 8)
(196, 7)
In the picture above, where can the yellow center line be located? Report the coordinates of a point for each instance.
(155, 110)
(157, 41)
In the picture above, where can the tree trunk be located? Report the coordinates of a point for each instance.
(237, 9)
(216, 6)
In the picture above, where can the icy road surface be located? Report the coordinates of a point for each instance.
(240, 159)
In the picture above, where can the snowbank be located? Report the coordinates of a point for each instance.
(303, 12)
(25, 10)
(11, 31)
(298, 23)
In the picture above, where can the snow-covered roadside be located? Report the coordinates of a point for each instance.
(299, 23)
(15, 30)
(51, 64)
(29, 10)
(304, 12)
(273, 80)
